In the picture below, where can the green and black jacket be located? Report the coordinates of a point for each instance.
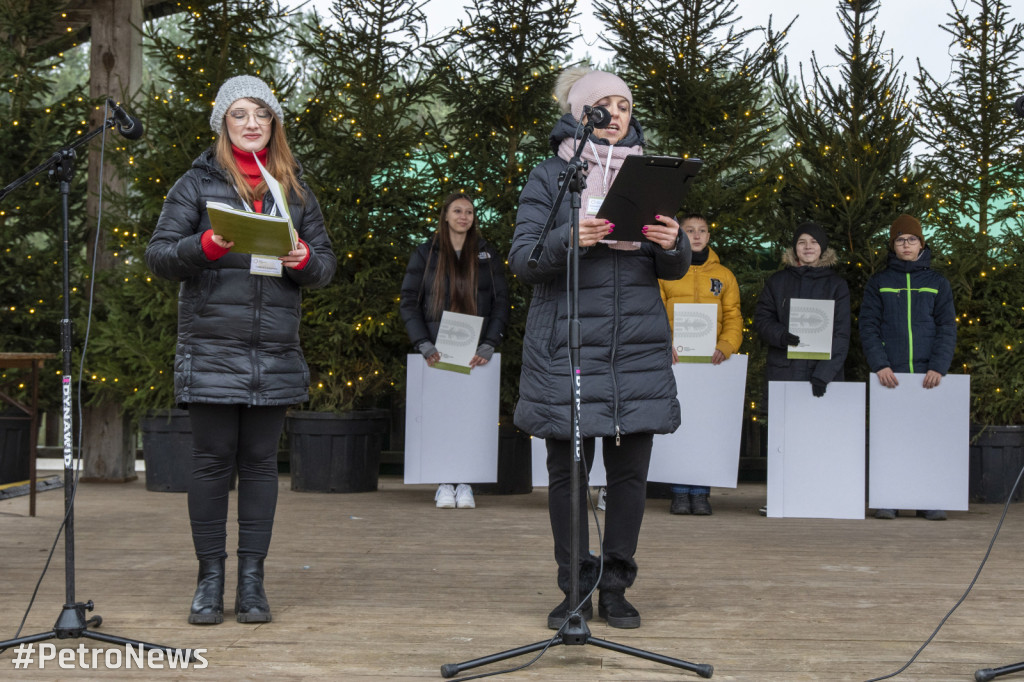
(907, 319)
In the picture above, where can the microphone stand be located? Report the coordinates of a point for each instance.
(71, 623)
(574, 632)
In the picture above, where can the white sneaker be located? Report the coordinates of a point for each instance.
(445, 496)
(601, 495)
(464, 497)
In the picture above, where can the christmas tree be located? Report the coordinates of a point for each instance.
(975, 157)
(362, 135)
(34, 123)
(852, 134)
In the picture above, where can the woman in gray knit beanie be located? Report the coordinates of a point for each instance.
(238, 364)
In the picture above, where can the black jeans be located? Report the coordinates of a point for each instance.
(626, 466)
(224, 436)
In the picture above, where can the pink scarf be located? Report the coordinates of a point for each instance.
(598, 182)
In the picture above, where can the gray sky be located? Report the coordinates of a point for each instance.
(911, 28)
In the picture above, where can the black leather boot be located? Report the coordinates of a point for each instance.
(619, 613)
(208, 602)
(251, 604)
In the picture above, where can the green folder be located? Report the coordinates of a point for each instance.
(256, 233)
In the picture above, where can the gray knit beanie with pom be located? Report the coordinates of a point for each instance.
(240, 87)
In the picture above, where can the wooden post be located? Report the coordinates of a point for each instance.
(115, 70)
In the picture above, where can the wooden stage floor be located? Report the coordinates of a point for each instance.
(383, 586)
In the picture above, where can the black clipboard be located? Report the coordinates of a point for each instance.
(644, 187)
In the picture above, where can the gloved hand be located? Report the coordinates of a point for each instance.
(818, 387)
(791, 339)
(427, 349)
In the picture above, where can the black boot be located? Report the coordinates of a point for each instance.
(208, 602)
(680, 504)
(588, 579)
(561, 612)
(251, 604)
(613, 607)
(700, 505)
(618, 575)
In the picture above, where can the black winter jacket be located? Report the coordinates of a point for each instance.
(238, 334)
(907, 319)
(771, 318)
(491, 295)
(627, 383)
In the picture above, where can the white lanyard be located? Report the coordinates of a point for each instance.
(606, 168)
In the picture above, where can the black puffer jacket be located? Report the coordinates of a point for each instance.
(771, 318)
(238, 334)
(627, 384)
(491, 295)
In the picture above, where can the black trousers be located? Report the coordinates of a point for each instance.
(223, 437)
(626, 465)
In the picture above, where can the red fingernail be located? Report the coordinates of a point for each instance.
(611, 224)
(657, 217)
(610, 230)
(644, 230)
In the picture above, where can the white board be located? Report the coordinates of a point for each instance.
(816, 450)
(705, 449)
(451, 423)
(920, 452)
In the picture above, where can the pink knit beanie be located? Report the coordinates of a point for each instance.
(594, 86)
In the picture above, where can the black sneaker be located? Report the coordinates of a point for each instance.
(886, 513)
(680, 504)
(932, 514)
(699, 505)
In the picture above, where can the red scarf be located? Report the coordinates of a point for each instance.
(250, 170)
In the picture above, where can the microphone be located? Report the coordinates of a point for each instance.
(599, 117)
(129, 126)
(1018, 107)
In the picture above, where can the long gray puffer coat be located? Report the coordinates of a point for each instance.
(238, 334)
(627, 385)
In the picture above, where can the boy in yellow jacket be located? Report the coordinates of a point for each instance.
(707, 281)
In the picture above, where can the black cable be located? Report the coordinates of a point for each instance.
(78, 436)
(960, 601)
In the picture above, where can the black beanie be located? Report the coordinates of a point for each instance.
(815, 230)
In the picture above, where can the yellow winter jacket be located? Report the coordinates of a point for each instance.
(711, 282)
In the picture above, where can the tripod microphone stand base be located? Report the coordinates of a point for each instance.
(575, 633)
(986, 674)
(72, 624)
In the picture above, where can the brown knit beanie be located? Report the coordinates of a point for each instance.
(905, 225)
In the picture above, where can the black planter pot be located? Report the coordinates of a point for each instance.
(167, 450)
(14, 455)
(515, 469)
(336, 453)
(997, 456)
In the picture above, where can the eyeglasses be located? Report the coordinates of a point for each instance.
(909, 241)
(241, 116)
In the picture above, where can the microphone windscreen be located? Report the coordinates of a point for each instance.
(133, 131)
